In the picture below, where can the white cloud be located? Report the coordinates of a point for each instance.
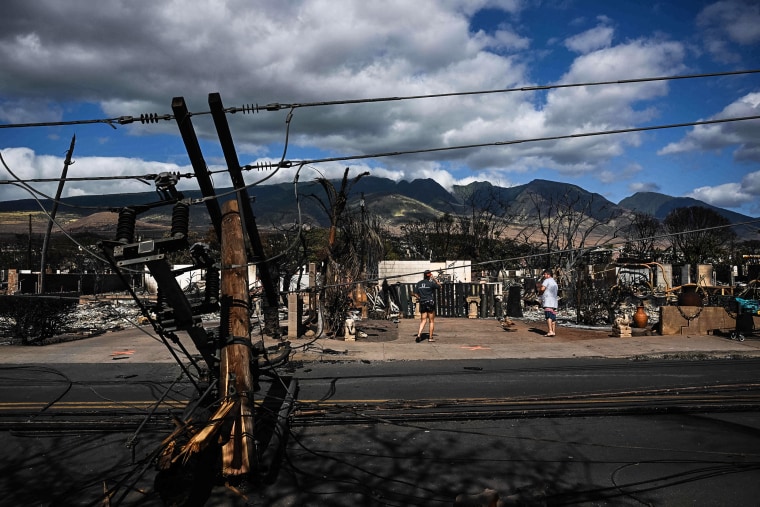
(590, 40)
(743, 135)
(644, 187)
(613, 105)
(751, 183)
(728, 195)
(132, 57)
(25, 165)
(729, 22)
(354, 50)
(508, 39)
(732, 195)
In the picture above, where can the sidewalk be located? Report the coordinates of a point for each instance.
(485, 339)
(387, 341)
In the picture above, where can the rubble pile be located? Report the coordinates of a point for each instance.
(567, 316)
(101, 316)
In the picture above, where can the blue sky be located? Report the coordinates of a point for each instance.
(82, 60)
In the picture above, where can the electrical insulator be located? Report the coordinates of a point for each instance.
(160, 299)
(180, 220)
(213, 284)
(247, 109)
(125, 228)
(154, 117)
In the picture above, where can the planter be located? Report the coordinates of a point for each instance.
(689, 296)
(640, 318)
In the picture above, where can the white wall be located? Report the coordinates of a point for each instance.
(185, 279)
(412, 271)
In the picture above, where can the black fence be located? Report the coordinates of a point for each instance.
(451, 299)
(78, 283)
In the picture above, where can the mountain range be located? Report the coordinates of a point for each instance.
(396, 203)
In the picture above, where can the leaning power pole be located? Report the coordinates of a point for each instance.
(222, 429)
(235, 375)
(53, 212)
(269, 284)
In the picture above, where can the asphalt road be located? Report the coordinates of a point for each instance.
(546, 432)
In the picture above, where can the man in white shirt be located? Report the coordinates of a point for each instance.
(549, 301)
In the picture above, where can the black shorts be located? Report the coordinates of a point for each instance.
(427, 306)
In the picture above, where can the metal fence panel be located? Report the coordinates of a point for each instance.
(451, 299)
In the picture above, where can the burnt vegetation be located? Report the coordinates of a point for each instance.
(349, 225)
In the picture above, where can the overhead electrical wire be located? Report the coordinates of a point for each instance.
(276, 106)
(532, 140)
(32, 191)
(145, 177)
(537, 255)
(152, 118)
(283, 163)
(291, 163)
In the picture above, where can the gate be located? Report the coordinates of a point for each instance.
(451, 299)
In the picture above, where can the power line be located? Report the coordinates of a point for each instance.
(278, 106)
(145, 177)
(111, 122)
(531, 140)
(293, 163)
(149, 118)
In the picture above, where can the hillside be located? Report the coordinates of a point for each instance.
(659, 205)
(396, 203)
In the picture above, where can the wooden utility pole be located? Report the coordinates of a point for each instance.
(51, 219)
(29, 246)
(235, 375)
(269, 284)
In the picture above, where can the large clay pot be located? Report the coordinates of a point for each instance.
(640, 318)
(689, 296)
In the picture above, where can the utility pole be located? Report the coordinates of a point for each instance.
(53, 212)
(235, 376)
(271, 302)
(29, 246)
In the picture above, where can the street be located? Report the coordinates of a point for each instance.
(546, 432)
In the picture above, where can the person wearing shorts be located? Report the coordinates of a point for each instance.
(549, 301)
(425, 293)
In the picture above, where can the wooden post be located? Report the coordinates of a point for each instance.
(235, 375)
(295, 309)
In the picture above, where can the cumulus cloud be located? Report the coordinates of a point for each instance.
(733, 194)
(614, 105)
(25, 164)
(355, 50)
(590, 40)
(510, 40)
(743, 136)
(728, 195)
(751, 183)
(128, 58)
(729, 21)
(642, 186)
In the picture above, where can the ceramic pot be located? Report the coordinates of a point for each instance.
(689, 296)
(640, 318)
